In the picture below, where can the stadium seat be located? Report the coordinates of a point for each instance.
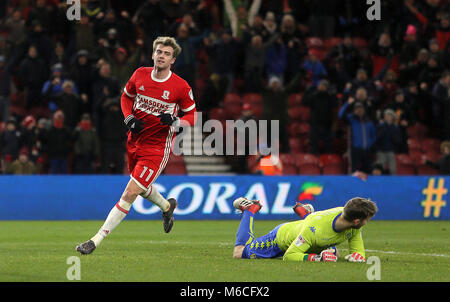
(309, 169)
(331, 42)
(218, 114)
(417, 158)
(175, 159)
(295, 99)
(333, 169)
(233, 111)
(304, 113)
(287, 158)
(2, 126)
(403, 159)
(175, 169)
(405, 169)
(303, 129)
(360, 43)
(306, 158)
(433, 156)
(426, 170)
(414, 144)
(252, 98)
(314, 43)
(294, 129)
(430, 145)
(294, 113)
(232, 98)
(319, 53)
(289, 169)
(295, 145)
(326, 159)
(417, 130)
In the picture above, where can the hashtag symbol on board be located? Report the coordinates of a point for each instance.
(434, 197)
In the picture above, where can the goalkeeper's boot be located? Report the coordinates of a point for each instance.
(86, 248)
(168, 215)
(302, 210)
(245, 204)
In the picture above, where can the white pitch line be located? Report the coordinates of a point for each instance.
(342, 249)
(405, 253)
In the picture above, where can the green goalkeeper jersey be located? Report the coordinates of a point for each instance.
(314, 234)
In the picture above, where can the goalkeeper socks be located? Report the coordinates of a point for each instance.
(155, 197)
(245, 231)
(115, 216)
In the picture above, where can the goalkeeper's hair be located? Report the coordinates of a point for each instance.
(359, 208)
(168, 41)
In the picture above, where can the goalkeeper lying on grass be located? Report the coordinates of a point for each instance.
(313, 238)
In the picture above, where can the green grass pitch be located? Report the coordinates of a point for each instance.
(200, 251)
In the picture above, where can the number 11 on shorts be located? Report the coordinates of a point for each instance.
(150, 173)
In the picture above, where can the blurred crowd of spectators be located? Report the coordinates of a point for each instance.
(61, 80)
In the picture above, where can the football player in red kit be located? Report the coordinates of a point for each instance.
(151, 101)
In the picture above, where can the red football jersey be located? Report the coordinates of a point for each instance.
(152, 97)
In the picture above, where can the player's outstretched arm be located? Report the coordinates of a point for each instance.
(356, 248)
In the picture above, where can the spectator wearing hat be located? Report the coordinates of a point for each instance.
(363, 135)
(410, 47)
(29, 137)
(347, 55)
(123, 64)
(10, 141)
(5, 82)
(86, 147)
(56, 141)
(388, 139)
(33, 72)
(322, 103)
(82, 73)
(22, 165)
(53, 87)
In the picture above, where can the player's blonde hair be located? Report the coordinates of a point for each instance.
(168, 41)
(359, 208)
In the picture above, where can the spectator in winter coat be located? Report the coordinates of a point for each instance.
(86, 147)
(363, 136)
(113, 136)
(388, 138)
(10, 141)
(23, 165)
(322, 104)
(33, 72)
(57, 143)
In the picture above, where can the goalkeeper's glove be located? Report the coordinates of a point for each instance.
(168, 119)
(324, 256)
(355, 257)
(134, 125)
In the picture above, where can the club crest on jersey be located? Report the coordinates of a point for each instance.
(299, 241)
(166, 94)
